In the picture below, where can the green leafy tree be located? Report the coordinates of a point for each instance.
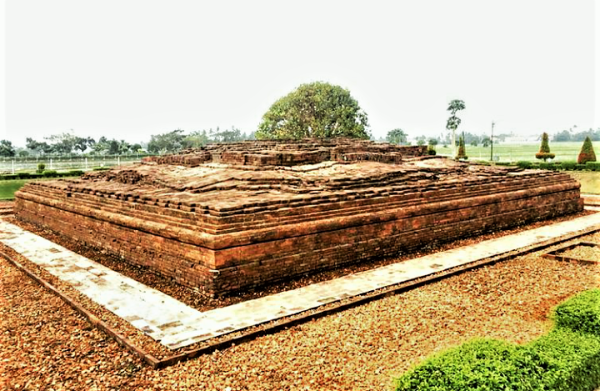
(453, 121)
(6, 148)
(587, 153)
(397, 136)
(82, 143)
(314, 110)
(101, 146)
(196, 139)
(62, 143)
(37, 146)
(167, 142)
(124, 147)
(544, 152)
(113, 147)
(565, 135)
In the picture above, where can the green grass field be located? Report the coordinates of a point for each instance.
(8, 188)
(590, 181)
(516, 152)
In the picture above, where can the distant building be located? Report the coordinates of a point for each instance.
(521, 139)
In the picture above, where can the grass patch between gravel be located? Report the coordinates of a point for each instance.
(8, 188)
(567, 358)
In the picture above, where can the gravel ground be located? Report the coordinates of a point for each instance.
(587, 253)
(46, 345)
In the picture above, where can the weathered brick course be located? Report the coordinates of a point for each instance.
(233, 216)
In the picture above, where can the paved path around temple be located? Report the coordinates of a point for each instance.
(176, 325)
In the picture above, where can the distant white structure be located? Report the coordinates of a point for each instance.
(521, 139)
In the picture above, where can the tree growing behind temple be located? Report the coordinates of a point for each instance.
(587, 153)
(316, 109)
(544, 152)
(172, 141)
(397, 136)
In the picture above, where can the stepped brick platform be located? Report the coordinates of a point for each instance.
(233, 216)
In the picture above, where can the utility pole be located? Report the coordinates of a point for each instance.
(492, 143)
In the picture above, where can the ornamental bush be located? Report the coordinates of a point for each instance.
(544, 152)
(587, 152)
(462, 155)
(567, 358)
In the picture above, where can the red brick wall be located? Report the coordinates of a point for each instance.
(250, 258)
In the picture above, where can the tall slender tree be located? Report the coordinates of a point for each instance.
(455, 106)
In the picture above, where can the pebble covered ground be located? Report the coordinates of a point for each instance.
(48, 346)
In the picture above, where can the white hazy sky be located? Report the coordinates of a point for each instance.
(131, 68)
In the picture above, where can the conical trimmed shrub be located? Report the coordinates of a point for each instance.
(587, 152)
(461, 149)
(544, 152)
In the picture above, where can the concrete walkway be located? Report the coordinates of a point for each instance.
(176, 325)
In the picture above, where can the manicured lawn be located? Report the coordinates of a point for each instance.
(590, 181)
(516, 152)
(8, 188)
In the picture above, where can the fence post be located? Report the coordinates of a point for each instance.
(86, 166)
(13, 167)
(51, 167)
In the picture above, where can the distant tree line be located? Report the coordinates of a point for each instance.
(68, 144)
(177, 140)
(572, 135)
(316, 109)
(400, 137)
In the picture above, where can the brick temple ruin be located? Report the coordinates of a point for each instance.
(228, 217)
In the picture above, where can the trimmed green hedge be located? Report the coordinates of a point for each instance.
(548, 166)
(476, 366)
(567, 358)
(45, 174)
(567, 165)
(593, 166)
(580, 313)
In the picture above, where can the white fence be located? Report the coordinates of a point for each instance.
(15, 165)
